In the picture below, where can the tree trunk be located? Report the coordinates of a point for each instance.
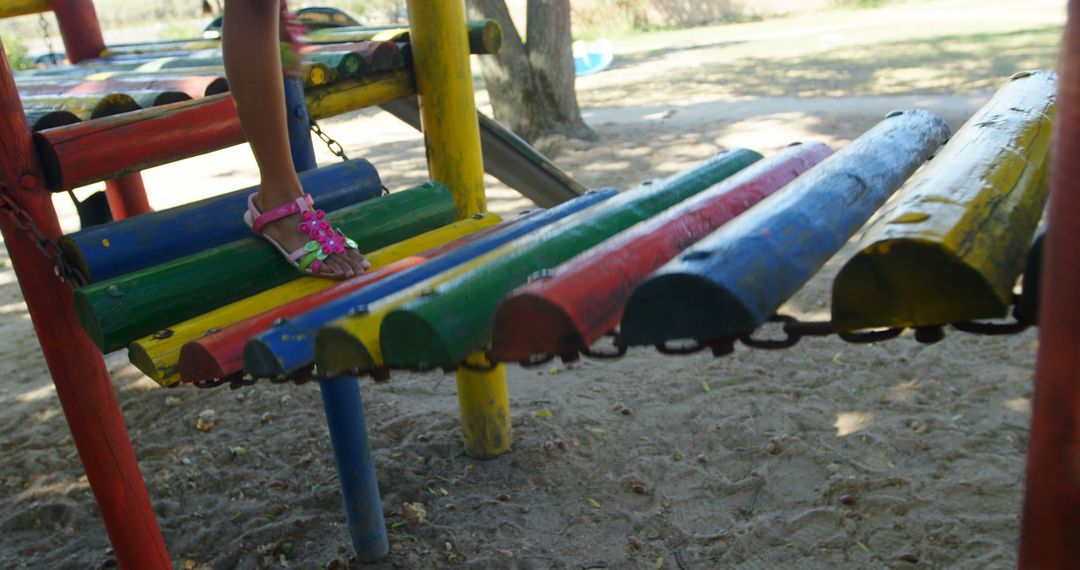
(531, 83)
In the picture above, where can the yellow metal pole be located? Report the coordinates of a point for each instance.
(440, 45)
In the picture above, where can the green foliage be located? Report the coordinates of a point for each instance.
(16, 51)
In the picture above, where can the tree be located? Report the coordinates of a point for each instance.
(531, 83)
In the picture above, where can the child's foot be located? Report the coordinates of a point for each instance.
(299, 232)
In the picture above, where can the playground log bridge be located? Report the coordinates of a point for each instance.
(445, 267)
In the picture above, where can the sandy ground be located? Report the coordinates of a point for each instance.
(826, 455)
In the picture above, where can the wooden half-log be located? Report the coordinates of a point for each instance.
(951, 245)
(194, 87)
(119, 310)
(455, 318)
(85, 107)
(39, 120)
(485, 36)
(110, 250)
(289, 346)
(731, 282)
(78, 155)
(159, 358)
(581, 300)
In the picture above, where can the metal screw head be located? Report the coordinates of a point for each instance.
(114, 292)
(358, 310)
(1020, 75)
(280, 321)
(427, 292)
(695, 255)
(545, 273)
(163, 334)
(892, 114)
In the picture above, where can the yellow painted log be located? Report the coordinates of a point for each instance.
(440, 47)
(485, 407)
(951, 246)
(159, 358)
(12, 8)
(353, 342)
(351, 95)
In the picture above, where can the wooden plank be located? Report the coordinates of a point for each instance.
(507, 157)
(159, 358)
(455, 319)
(581, 300)
(288, 347)
(952, 244)
(110, 250)
(119, 310)
(732, 281)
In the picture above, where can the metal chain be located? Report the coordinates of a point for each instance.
(335, 147)
(44, 24)
(793, 331)
(48, 247)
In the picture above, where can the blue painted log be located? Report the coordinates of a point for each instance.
(1029, 296)
(733, 280)
(122, 247)
(291, 345)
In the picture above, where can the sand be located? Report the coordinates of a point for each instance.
(825, 455)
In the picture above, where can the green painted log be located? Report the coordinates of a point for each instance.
(117, 311)
(485, 36)
(85, 107)
(952, 244)
(440, 328)
(344, 64)
(45, 119)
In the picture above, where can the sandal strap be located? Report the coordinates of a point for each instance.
(300, 204)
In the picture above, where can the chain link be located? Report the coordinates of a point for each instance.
(48, 247)
(44, 25)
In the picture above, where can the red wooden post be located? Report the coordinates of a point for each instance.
(78, 371)
(82, 40)
(1050, 536)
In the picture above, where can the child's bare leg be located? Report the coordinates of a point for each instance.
(250, 42)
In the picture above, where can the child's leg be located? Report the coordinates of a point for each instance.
(250, 41)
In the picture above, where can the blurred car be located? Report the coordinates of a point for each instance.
(312, 17)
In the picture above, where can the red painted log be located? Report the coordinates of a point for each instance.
(78, 370)
(220, 354)
(1051, 516)
(79, 28)
(584, 298)
(79, 154)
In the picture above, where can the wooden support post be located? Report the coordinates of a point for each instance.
(440, 47)
(81, 32)
(440, 50)
(1051, 517)
(78, 371)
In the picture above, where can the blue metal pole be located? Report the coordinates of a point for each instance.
(356, 469)
(341, 394)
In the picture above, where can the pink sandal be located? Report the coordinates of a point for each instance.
(325, 240)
